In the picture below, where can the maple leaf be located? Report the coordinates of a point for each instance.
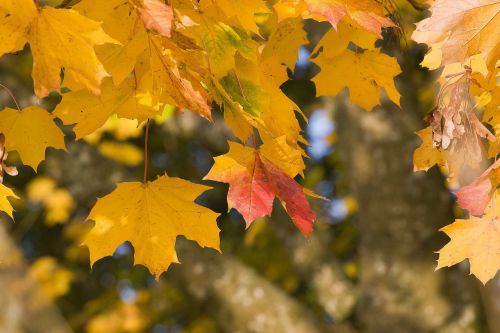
(120, 21)
(30, 132)
(369, 14)
(151, 216)
(158, 16)
(235, 117)
(476, 239)
(284, 156)
(282, 48)
(89, 112)
(251, 98)
(254, 182)
(169, 82)
(461, 28)
(162, 68)
(476, 195)
(426, 155)
(334, 42)
(5, 205)
(365, 74)
(242, 11)
(218, 39)
(59, 39)
(488, 87)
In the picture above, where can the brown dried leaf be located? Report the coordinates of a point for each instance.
(456, 127)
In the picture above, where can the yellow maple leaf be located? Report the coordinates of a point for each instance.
(287, 158)
(242, 11)
(169, 80)
(365, 74)
(461, 29)
(476, 239)
(120, 21)
(30, 132)
(15, 19)
(251, 97)
(334, 42)
(151, 216)
(218, 39)
(59, 38)
(282, 49)
(90, 112)
(426, 156)
(5, 205)
(235, 117)
(489, 88)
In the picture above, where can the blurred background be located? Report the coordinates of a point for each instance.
(368, 267)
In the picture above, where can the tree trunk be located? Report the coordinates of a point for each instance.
(400, 213)
(240, 299)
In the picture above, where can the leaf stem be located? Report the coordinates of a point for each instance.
(37, 4)
(146, 143)
(11, 95)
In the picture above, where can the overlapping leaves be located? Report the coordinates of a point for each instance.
(462, 36)
(132, 58)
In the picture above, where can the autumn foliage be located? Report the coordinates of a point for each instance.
(135, 58)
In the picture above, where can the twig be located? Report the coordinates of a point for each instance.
(146, 143)
(11, 95)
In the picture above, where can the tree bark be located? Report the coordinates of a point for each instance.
(240, 299)
(400, 213)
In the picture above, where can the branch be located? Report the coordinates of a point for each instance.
(246, 302)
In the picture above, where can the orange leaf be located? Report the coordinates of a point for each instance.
(157, 16)
(254, 182)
